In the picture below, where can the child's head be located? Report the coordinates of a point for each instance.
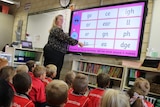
(136, 97)
(51, 70)
(114, 98)
(31, 65)
(6, 93)
(22, 68)
(143, 85)
(80, 84)
(39, 72)
(22, 82)
(3, 62)
(69, 78)
(56, 93)
(7, 73)
(138, 91)
(103, 80)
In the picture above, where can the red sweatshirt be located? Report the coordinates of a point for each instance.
(95, 96)
(75, 100)
(22, 101)
(46, 81)
(149, 104)
(37, 92)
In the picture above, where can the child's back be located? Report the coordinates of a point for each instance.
(22, 84)
(95, 95)
(77, 98)
(37, 92)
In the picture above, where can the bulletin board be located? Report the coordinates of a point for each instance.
(39, 25)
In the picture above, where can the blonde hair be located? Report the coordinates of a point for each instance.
(56, 92)
(22, 68)
(54, 21)
(114, 98)
(3, 62)
(7, 73)
(51, 70)
(70, 76)
(143, 85)
(39, 70)
(80, 84)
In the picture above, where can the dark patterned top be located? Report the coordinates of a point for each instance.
(59, 41)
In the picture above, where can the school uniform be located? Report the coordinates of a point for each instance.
(31, 74)
(149, 104)
(46, 81)
(70, 91)
(95, 96)
(37, 92)
(12, 87)
(22, 100)
(75, 100)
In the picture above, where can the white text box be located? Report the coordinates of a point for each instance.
(111, 23)
(108, 13)
(126, 44)
(128, 22)
(89, 15)
(127, 33)
(105, 33)
(88, 43)
(88, 24)
(105, 44)
(130, 11)
(87, 34)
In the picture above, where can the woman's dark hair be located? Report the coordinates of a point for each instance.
(6, 93)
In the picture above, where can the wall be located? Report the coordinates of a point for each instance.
(41, 5)
(6, 28)
(155, 33)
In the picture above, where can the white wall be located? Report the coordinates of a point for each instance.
(6, 28)
(154, 41)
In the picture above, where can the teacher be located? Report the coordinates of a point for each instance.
(57, 44)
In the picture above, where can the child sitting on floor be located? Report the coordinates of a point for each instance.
(80, 87)
(69, 77)
(56, 93)
(138, 92)
(114, 98)
(103, 82)
(22, 84)
(37, 92)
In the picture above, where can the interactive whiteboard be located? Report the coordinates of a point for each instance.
(110, 30)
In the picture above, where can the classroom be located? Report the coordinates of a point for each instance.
(117, 37)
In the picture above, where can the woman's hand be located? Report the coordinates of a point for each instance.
(80, 44)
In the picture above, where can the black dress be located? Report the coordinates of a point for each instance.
(56, 48)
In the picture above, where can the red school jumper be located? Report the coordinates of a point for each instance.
(46, 81)
(22, 101)
(95, 96)
(149, 104)
(37, 92)
(75, 100)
